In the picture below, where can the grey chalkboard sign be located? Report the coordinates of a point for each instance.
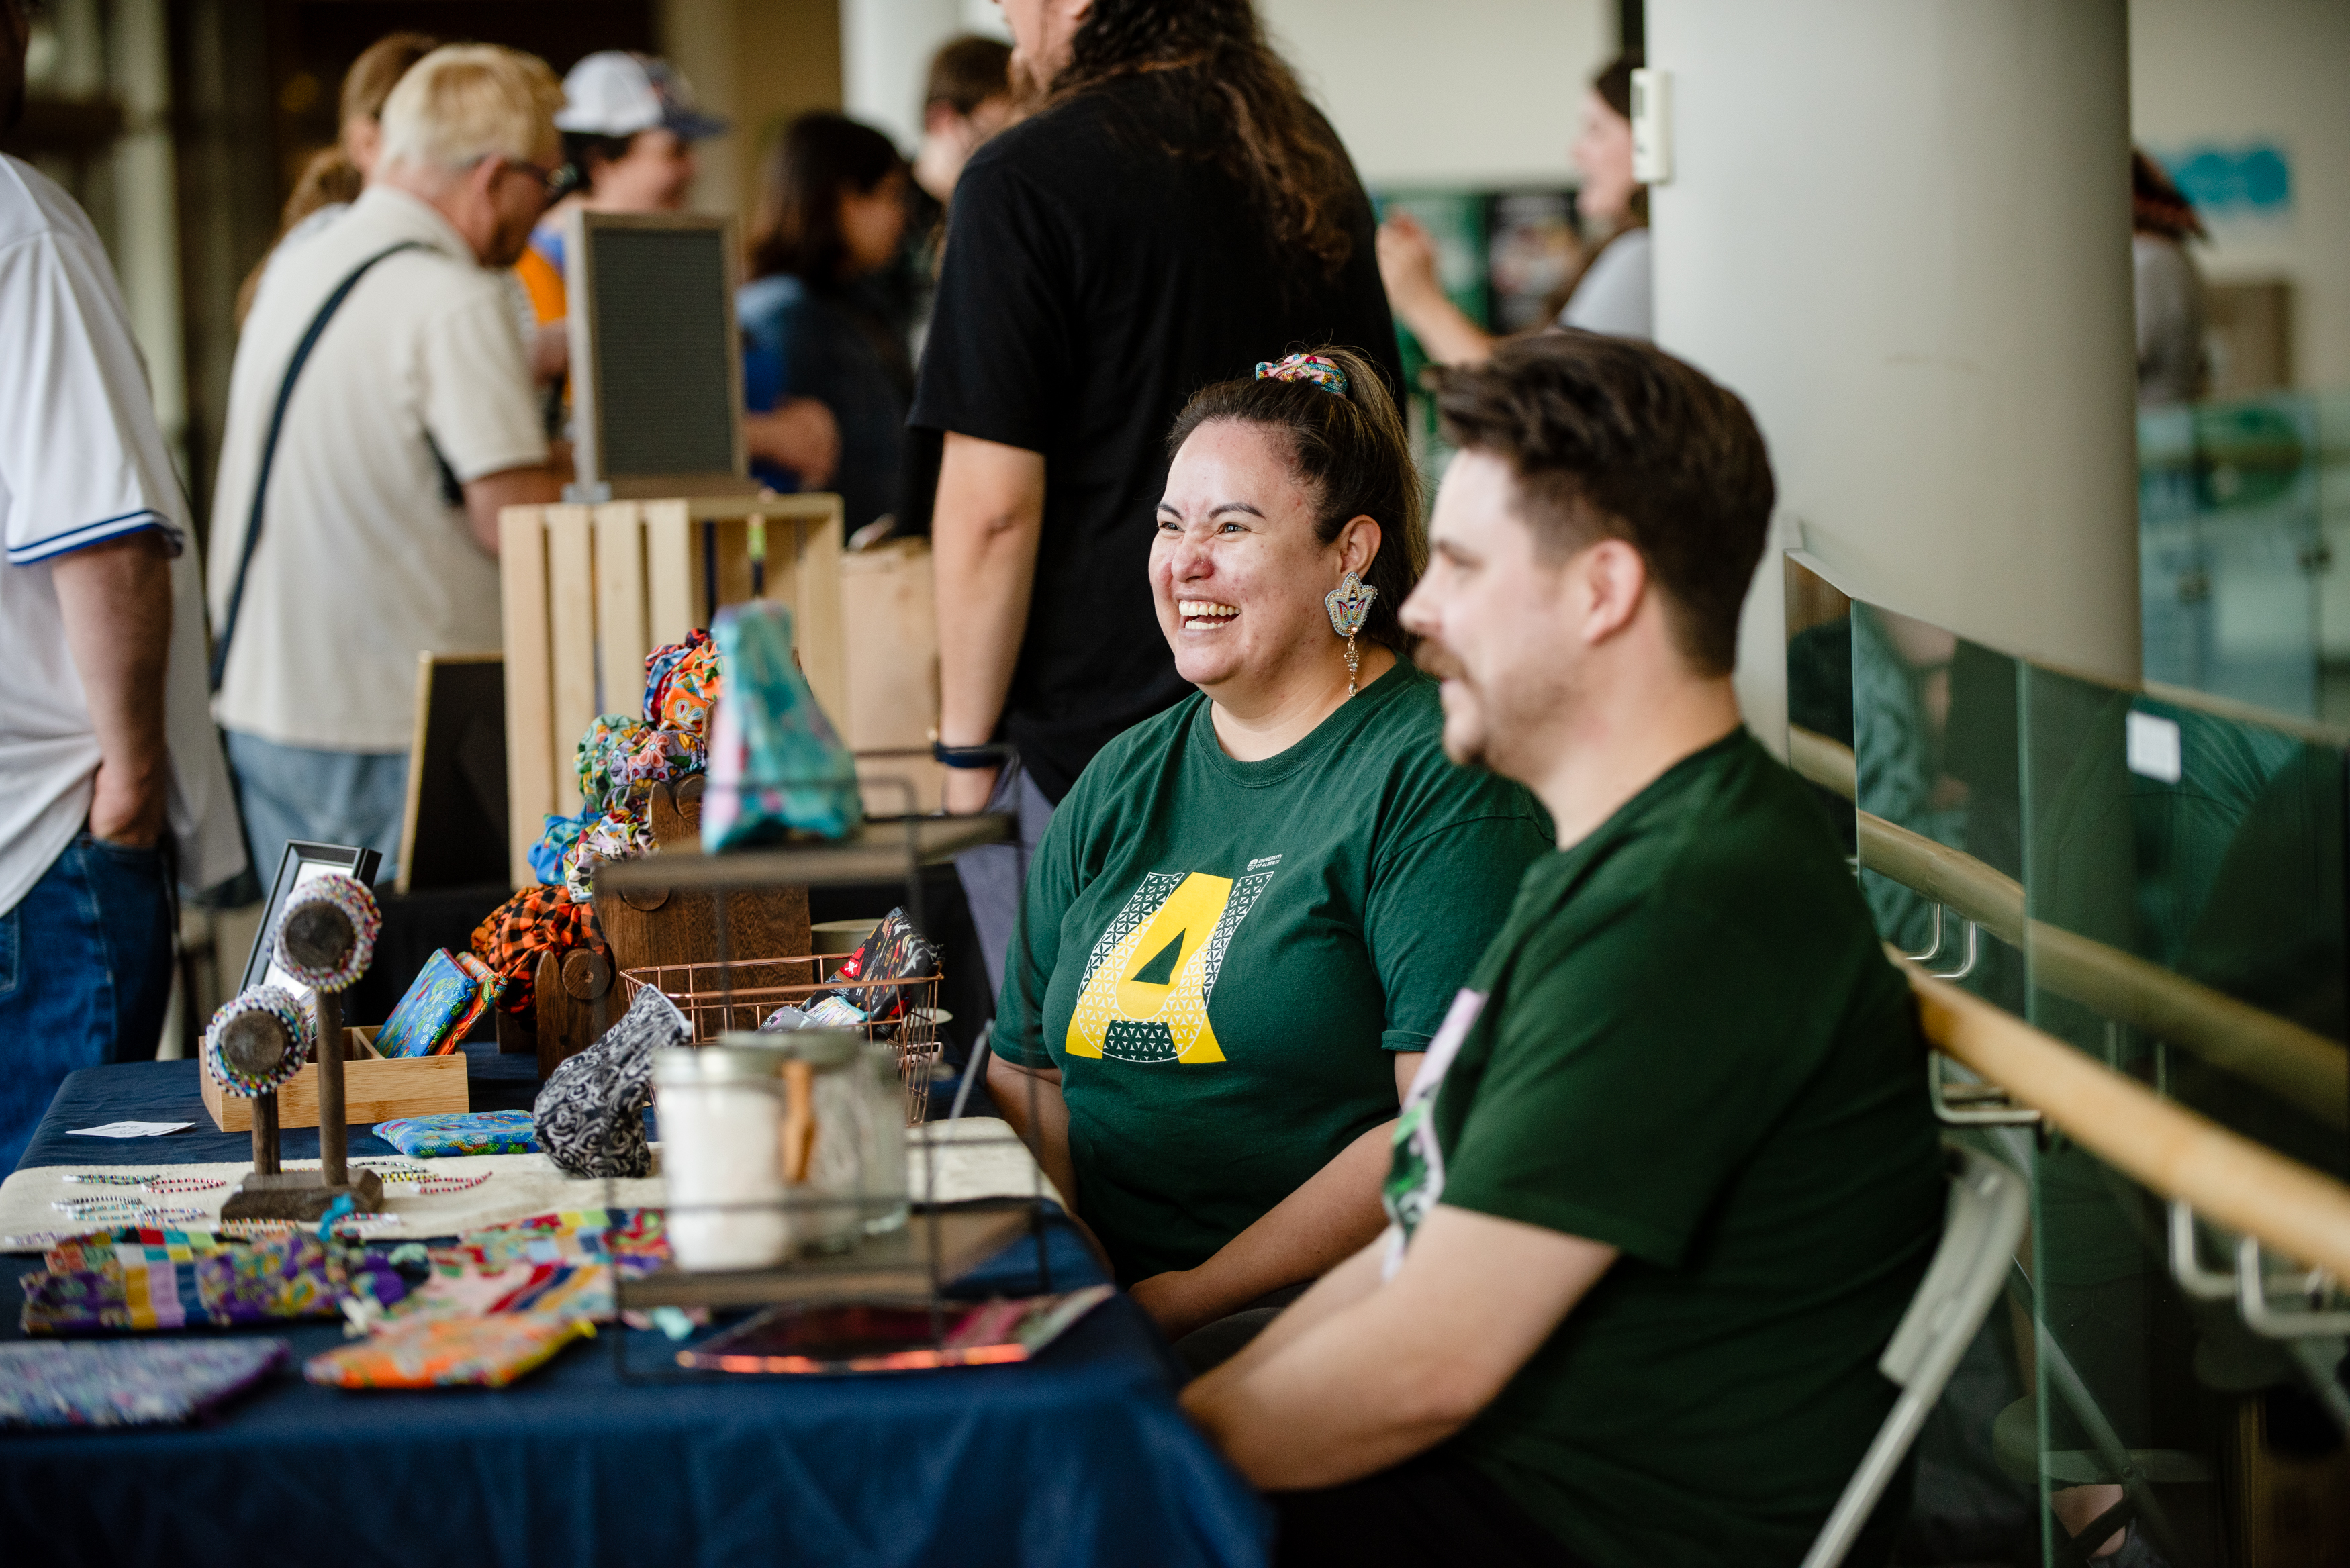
(656, 363)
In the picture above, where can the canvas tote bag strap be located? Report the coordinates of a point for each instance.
(269, 444)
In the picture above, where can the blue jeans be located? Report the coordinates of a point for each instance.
(359, 799)
(85, 976)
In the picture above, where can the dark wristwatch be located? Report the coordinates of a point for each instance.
(987, 756)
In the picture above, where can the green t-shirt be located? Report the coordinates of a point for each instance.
(1219, 955)
(1687, 1044)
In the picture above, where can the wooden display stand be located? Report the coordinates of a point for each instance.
(589, 591)
(375, 1089)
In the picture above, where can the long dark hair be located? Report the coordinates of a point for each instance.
(797, 228)
(1213, 54)
(1352, 452)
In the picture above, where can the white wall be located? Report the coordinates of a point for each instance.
(885, 55)
(2232, 72)
(1900, 232)
(1465, 93)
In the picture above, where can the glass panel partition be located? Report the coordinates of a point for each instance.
(2157, 881)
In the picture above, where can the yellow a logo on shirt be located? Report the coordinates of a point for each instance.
(1145, 996)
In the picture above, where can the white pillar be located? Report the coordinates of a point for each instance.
(1901, 233)
(146, 224)
(885, 58)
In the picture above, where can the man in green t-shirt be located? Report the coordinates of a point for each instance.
(1668, 1177)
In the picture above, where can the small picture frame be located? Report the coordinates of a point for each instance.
(301, 862)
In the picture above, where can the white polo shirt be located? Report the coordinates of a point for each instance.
(361, 564)
(82, 460)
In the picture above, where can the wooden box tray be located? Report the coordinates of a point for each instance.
(375, 1089)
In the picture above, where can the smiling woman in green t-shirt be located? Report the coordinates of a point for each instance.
(1248, 916)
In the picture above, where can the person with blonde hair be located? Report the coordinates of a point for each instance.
(335, 174)
(380, 413)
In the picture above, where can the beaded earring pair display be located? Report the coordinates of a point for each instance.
(1349, 605)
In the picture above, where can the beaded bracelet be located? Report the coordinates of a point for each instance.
(165, 1186)
(349, 894)
(436, 1186)
(279, 1004)
(109, 1179)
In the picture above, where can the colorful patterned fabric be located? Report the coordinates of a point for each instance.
(589, 1112)
(1324, 373)
(682, 684)
(461, 1132)
(776, 766)
(146, 1280)
(894, 951)
(448, 1352)
(534, 921)
(621, 758)
(555, 841)
(127, 1383)
(353, 897)
(447, 995)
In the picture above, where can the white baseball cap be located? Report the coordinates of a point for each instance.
(616, 93)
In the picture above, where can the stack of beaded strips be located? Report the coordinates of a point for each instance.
(279, 1004)
(349, 894)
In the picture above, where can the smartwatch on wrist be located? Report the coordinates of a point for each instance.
(982, 756)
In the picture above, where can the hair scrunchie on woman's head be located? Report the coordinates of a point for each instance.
(274, 1002)
(1323, 372)
(350, 895)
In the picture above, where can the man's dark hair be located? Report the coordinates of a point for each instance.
(796, 226)
(1352, 451)
(1612, 439)
(1213, 57)
(968, 71)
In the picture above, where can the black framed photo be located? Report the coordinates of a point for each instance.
(301, 862)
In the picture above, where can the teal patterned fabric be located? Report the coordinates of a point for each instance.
(461, 1132)
(776, 766)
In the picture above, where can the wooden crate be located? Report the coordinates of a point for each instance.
(375, 1089)
(589, 591)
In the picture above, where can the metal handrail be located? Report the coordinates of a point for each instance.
(2160, 1144)
(2298, 1065)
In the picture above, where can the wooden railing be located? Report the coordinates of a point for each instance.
(2160, 1144)
(2298, 1065)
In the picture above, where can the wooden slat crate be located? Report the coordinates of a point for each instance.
(590, 590)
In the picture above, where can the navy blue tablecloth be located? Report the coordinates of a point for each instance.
(171, 1092)
(1076, 1459)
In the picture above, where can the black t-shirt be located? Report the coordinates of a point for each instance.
(1095, 279)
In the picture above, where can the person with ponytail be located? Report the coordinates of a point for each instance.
(1168, 208)
(1248, 919)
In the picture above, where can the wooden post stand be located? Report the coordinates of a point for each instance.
(319, 936)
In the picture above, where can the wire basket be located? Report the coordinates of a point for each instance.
(722, 997)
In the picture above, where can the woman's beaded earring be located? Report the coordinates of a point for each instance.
(1349, 605)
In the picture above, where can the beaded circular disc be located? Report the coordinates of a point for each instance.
(349, 894)
(276, 1003)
